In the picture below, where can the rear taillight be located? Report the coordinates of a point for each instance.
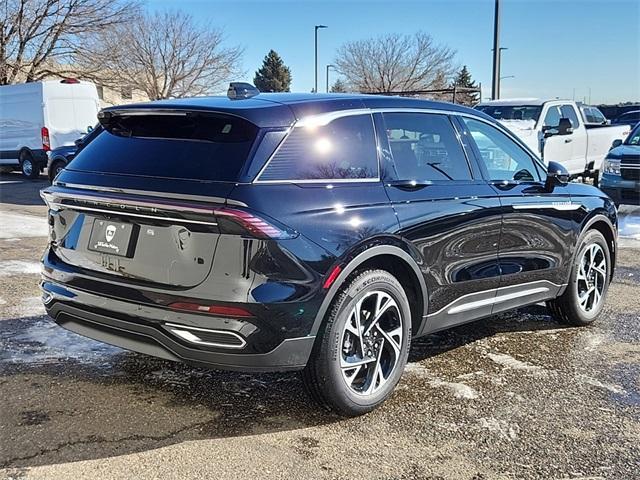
(220, 310)
(46, 144)
(235, 220)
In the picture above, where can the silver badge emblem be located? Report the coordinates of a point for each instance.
(110, 232)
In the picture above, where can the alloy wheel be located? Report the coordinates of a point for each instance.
(371, 342)
(592, 277)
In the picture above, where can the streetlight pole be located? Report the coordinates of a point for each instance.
(495, 86)
(316, 56)
(328, 67)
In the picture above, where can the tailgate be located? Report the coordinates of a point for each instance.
(139, 238)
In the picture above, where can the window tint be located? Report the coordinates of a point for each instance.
(202, 147)
(552, 118)
(589, 115)
(504, 159)
(343, 149)
(569, 112)
(425, 147)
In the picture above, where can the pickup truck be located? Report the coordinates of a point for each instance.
(556, 130)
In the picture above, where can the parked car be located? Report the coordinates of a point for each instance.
(620, 178)
(314, 232)
(37, 117)
(592, 116)
(61, 156)
(630, 118)
(556, 131)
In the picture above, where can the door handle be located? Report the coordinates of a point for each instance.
(568, 140)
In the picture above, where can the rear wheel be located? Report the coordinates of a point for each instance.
(363, 348)
(28, 166)
(55, 168)
(584, 297)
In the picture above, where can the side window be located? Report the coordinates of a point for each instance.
(569, 112)
(504, 158)
(343, 149)
(552, 118)
(425, 147)
(598, 117)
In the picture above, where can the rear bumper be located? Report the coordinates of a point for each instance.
(150, 335)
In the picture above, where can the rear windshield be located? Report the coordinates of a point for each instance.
(182, 145)
(512, 112)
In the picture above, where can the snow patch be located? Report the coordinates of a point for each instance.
(18, 267)
(606, 386)
(21, 226)
(507, 361)
(459, 390)
(506, 430)
(43, 342)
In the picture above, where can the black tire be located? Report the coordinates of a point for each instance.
(323, 376)
(30, 169)
(55, 168)
(566, 308)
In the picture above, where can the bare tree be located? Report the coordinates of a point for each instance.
(395, 62)
(164, 55)
(35, 34)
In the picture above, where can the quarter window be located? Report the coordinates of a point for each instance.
(425, 147)
(504, 158)
(341, 150)
(552, 118)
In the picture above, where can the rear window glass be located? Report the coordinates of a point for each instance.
(194, 147)
(343, 149)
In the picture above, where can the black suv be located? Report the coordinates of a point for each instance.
(314, 232)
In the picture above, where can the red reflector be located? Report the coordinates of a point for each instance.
(332, 276)
(46, 145)
(221, 310)
(70, 80)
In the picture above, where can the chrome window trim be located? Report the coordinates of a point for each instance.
(326, 118)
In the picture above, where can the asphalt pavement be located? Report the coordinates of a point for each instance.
(515, 396)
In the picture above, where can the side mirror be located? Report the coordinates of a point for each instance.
(565, 127)
(616, 143)
(557, 175)
(78, 143)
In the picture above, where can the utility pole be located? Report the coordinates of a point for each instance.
(315, 89)
(495, 86)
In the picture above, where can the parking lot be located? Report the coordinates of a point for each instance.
(513, 396)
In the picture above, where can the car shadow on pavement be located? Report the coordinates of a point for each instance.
(67, 398)
(17, 190)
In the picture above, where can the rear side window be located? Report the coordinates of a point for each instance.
(425, 147)
(343, 149)
(184, 146)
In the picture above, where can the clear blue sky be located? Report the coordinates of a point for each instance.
(554, 46)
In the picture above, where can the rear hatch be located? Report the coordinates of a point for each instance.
(146, 199)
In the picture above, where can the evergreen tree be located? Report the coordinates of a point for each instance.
(338, 87)
(463, 79)
(274, 76)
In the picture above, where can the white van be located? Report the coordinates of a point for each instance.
(40, 116)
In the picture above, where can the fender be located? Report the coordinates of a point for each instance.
(358, 260)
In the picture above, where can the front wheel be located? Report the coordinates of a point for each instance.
(584, 296)
(363, 348)
(28, 166)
